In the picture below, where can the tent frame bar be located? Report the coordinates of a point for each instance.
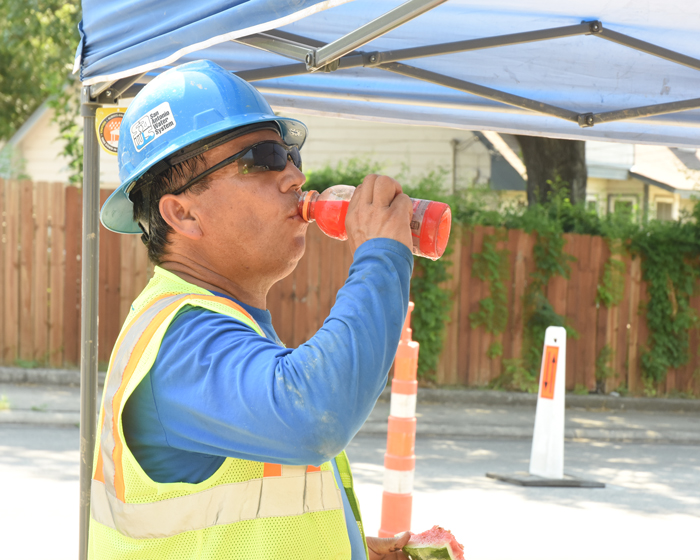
(388, 60)
(649, 48)
(481, 91)
(109, 92)
(322, 55)
(583, 28)
(376, 28)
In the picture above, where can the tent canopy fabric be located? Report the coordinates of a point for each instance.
(578, 74)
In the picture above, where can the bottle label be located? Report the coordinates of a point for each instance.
(419, 208)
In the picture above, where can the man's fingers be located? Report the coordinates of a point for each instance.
(402, 202)
(366, 189)
(385, 190)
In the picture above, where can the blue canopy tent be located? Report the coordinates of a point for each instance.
(583, 69)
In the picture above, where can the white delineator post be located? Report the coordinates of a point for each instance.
(547, 457)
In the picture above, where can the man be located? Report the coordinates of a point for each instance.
(215, 440)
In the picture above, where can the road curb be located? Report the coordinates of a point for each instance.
(525, 433)
(467, 397)
(31, 417)
(587, 402)
(44, 376)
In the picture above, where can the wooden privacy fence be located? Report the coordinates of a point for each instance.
(622, 328)
(40, 295)
(40, 278)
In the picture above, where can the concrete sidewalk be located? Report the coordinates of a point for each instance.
(441, 412)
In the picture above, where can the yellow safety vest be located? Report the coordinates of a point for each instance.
(246, 510)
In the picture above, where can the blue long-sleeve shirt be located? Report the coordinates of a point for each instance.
(218, 389)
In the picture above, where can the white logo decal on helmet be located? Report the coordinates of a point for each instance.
(152, 125)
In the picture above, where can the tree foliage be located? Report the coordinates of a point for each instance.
(38, 39)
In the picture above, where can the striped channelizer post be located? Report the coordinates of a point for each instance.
(400, 459)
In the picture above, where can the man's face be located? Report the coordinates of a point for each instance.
(250, 223)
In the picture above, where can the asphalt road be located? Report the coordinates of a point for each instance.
(650, 508)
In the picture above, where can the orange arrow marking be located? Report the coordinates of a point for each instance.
(549, 371)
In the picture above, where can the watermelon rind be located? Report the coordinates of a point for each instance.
(426, 552)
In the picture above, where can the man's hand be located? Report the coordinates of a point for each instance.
(388, 549)
(379, 209)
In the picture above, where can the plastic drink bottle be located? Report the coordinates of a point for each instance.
(430, 225)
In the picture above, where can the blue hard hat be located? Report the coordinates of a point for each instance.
(181, 107)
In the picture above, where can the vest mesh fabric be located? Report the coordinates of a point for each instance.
(318, 535)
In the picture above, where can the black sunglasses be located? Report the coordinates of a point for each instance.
(268, 155)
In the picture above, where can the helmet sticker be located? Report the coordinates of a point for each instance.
(152, 125)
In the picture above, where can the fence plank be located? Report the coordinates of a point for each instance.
(573, 303)
(601, 310)
(127, 275)
(300, 299)
(57, 267)
(143, 269)
(26, 270)
(464, 324)
(513, 236)
(313, 320)
(113, 301)
(520, 279)
(40, 279)
(635, 272)
(448, 364)
(485, 363)
(110, 271)
(634, 378)
(71, 308)
(285, 320)
(476, 293)
(591, 340)
(624, 324)
(11, 270)
(3, 242)
(326, 296)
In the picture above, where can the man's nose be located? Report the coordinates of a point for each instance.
(291, 178)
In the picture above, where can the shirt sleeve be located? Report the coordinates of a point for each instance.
(220, 388)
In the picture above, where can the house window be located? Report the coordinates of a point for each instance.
(624, 206)
(592, 204)
(664, 211)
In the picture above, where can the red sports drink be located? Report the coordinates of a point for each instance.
(430, 225)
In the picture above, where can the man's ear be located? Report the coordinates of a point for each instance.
(177, 211)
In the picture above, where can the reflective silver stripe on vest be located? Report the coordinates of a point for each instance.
(115, 377)
(279, 496)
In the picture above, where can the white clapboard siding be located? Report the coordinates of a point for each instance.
(402, 150)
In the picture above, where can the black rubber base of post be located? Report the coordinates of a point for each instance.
(527, 479)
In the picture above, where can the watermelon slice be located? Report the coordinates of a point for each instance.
(434, 544)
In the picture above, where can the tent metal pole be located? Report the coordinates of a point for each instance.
(591, 119)
(277, 45)
(88, 309)
(484, 43)
(363, 96)
(375, 28)
(649, 48)
(481, 91)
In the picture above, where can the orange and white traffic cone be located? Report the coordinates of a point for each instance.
(400, 459)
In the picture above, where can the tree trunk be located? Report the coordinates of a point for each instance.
(560, 161)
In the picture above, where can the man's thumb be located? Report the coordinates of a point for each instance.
(402, 538)
(390, 544)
